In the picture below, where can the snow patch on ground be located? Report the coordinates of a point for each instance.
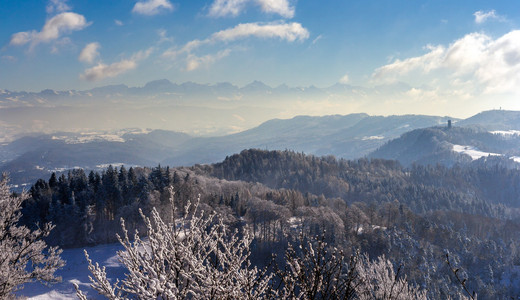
(294, 222)
(473, 151)
(76, 271)
(373, 137)
(360, 228)
(54, 295)
(98, 136)
(88, 138)
(515, 158)
(58, 170)
(506, 132)
(115, 165)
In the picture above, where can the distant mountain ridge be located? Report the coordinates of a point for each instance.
(199, 109)
(183, 91)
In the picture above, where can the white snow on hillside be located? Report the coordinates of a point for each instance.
(98, 136)
(472, 151)
(515, 158)
(373, 137)
(506, 132)
(88, 138)
(76, 270)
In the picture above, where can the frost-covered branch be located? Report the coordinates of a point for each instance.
(462, 282)
(195, 256)
(379, 281)
(24, 256)
(316, 271)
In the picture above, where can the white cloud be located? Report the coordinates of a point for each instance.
(57, 6)
(429, 61)
(345, 79)
(484, 64)
(194, 62)
(481, 16)
(465, 54)
(284, 31)
(223, 8)
(118, 22)
(280, 7)
(152, 7)
(89, 53)
(101, 70)
(53, 29)
(499, 66)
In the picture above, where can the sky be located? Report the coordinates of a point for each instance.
(466, 52)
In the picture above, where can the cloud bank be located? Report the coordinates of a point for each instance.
(476, 60)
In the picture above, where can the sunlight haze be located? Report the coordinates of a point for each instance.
(278, 59)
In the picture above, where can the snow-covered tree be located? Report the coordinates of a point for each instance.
(196, 256)
(378, 280)
(315, 270)
(24, 255)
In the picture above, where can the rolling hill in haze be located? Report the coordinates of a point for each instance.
(349, 136)
(409, 139)
(197, 109)
(488, 135)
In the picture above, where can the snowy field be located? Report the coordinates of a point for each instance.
(76, 271)
(507, 132)
(472, 151)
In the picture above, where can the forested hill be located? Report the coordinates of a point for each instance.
(486, 189)
(449, 146)
(414, 215)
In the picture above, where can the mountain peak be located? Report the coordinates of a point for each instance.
(256, 86)
(161, 83)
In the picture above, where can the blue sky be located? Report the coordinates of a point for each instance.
(441, 49)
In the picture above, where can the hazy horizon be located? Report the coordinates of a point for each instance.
(391, 58)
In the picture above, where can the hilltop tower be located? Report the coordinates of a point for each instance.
(449, 124)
